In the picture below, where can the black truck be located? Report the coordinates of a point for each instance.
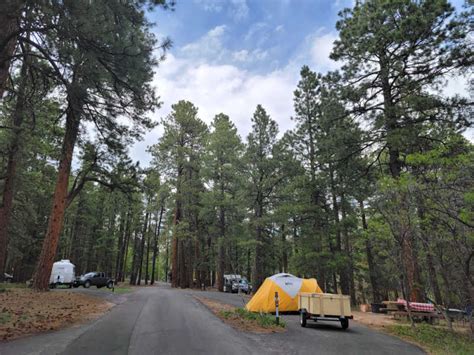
(98, 279)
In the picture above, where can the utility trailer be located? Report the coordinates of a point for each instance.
(326, 307)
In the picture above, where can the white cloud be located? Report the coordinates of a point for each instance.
(208, 74)
(208, 46)
(237, 9)
(245, 56)
(216, 88)
(280, 29)
(321, 47)
(211, 5)
(258, 34)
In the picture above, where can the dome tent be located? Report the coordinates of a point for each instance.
(287, 286)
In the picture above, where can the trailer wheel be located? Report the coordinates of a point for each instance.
(303, 318)
(110, 284)
(345, 323)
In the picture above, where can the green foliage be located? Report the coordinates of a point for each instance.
(435, 340)
(261, 319)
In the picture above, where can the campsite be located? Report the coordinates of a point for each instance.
(236, 176)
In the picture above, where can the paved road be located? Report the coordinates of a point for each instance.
(160, 320)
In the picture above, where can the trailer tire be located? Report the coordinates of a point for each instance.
(110, 284)
(345, 323)
(303, 319)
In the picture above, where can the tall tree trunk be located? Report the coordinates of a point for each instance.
(55, 223)
(128, 234)
(432, 274)
(155, 245)
(147, 259)
(120, 245)
(284, 250)
(10, 12)
(13, 156)
(349, 267)
(142, 248)
(176, 244)
(78, 234)
(258, 268)
(406, 237)
(135, 258)
(167, 258)
(376, 295)
(221, 246)
(342, 269)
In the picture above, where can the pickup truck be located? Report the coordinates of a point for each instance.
(98, 279)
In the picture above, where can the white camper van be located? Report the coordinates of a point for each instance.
(62, 273)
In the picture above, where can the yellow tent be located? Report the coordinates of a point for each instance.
(287, 287)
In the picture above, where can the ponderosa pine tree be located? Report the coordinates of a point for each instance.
(108, 70)
(393, 52)
(178, 156)
(262, 179)
(222, 166)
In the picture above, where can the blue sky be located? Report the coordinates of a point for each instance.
(230, 55)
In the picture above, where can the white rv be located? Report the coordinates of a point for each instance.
(62, 273)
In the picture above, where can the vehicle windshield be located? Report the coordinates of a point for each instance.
(89, 274)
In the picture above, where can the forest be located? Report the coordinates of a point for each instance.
(371, 192)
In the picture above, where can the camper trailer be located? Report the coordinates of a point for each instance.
(62, 274)
(229, 279)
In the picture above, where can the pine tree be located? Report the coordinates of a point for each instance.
(224, 150)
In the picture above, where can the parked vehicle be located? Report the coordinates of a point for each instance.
(98, 279)
(7, 277)
(229, 279)
(324, 306)
(62, 273)
(241, 286)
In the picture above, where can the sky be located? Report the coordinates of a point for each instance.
(230, 55)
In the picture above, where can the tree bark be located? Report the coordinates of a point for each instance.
(147, 262)
(155, 245)
(258, 272)
(120, 245)
(176, 244)
(10, 12)
(10, 173)
(376, 295)
(55, 223)
(432, 274)
(142, 248)
(221, 246)
(128, 234)
(284, 250)
(134, 271)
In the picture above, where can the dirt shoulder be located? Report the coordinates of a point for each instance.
(239, 319)
(374, 320)
(24, 312)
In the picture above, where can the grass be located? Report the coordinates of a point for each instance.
(9, 285)
(5, 317)
(117, 289)
(435, 340)
(263, 320)
(122, 289)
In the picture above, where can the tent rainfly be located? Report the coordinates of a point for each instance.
(287, 286)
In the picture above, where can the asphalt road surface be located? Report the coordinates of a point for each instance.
(160, 320)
